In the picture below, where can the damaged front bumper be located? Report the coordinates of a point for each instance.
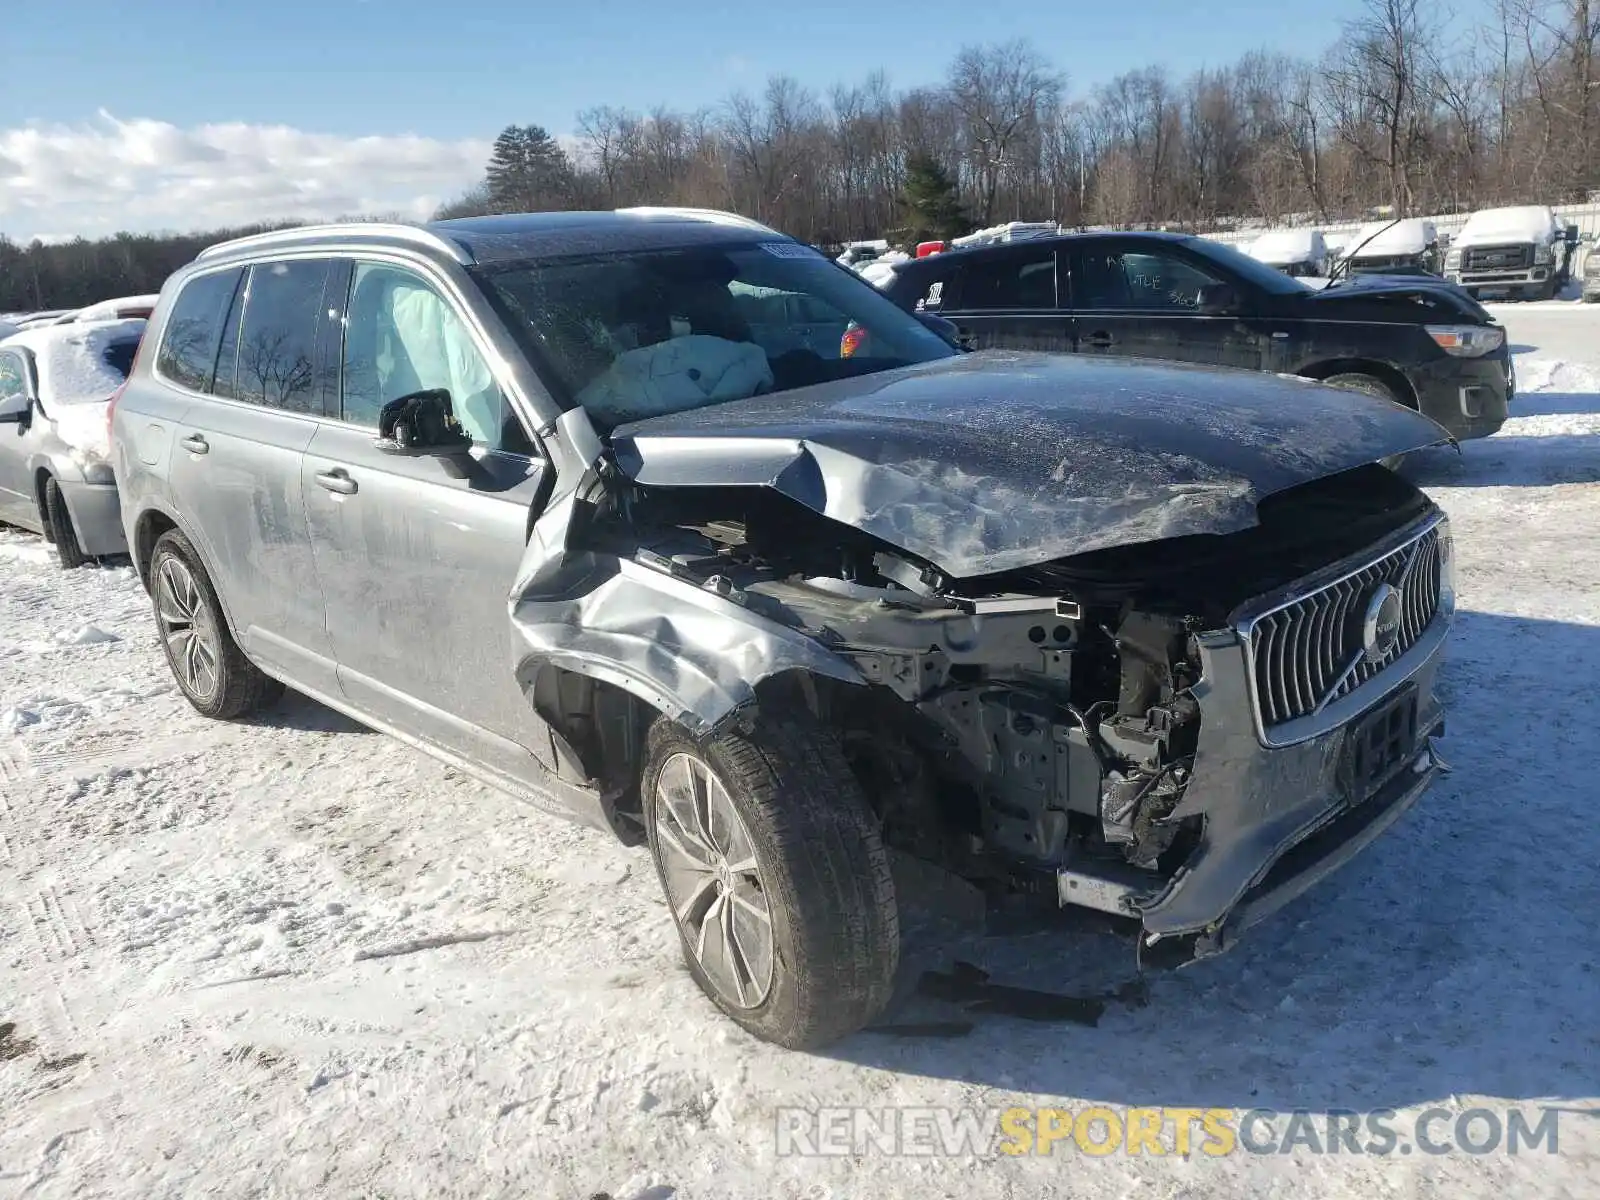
(1279, 819)
(1280, 813)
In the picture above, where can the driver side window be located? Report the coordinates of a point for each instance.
(402, 336)
(1141, 280)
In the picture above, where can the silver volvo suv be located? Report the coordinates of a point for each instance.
(558, 499)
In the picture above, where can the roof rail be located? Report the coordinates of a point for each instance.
(356, 230)
(715, 215)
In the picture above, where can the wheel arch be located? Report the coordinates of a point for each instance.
(600, 720)
(148, 527)
(1391, 376)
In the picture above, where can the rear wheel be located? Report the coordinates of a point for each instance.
(1371, 385)
(776, 876)
(59, 523)
(210, 669)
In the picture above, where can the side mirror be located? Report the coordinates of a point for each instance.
(421, 424)
(1217, 300)
(14, 409)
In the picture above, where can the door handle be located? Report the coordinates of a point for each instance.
(1099, 340)
(194, 444)
(337, 480)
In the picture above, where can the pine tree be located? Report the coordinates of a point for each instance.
(528, 171)
(929, 202)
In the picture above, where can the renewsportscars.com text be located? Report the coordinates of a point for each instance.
(1100, 1132)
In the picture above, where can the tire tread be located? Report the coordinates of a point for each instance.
(801, 801)
(59, 520)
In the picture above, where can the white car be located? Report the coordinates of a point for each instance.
(55, 473)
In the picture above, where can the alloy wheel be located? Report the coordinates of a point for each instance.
(708, 864)
(187, 628)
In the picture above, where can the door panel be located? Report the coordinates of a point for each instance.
(1008, 300)
(236, 463)
(1142, 303)
(417, 567)
(417, 555)
(239, 469)
(17, 505)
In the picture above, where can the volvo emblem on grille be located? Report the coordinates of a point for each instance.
(1380, 627)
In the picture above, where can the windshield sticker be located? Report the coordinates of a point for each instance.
(789, 250)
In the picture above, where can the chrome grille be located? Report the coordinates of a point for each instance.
(1499, 258)
(1310, 652)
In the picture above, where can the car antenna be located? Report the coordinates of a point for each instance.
(1349, 255)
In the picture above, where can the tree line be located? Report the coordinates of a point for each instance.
(1413, 109)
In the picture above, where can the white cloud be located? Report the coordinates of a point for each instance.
(142, 175)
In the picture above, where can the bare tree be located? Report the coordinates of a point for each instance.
(1001, 93)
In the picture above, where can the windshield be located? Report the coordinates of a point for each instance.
(635, 335)
(1255, 271)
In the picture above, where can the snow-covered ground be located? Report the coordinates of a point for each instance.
(287, 955)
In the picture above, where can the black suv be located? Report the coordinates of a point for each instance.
(1170, 296)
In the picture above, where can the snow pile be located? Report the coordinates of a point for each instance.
(75, 361)
(879, 274)
(1410, 236)
(1527, 223)
(84, 635)
(1283, 247)
(119, 309)
(1011, 231)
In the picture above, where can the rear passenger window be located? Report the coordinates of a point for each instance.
(1010, 281)
(188, 349)
(278, 335)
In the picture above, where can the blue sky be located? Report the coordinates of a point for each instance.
(466, 68)
(182, 114)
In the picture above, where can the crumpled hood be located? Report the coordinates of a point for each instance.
(987, 462)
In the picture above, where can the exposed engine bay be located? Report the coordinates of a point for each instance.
(1020, 723)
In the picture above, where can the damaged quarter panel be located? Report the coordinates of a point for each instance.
(998, 460)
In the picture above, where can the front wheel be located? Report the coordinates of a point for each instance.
(777, 877)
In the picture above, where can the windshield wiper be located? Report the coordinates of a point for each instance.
(1349, 257)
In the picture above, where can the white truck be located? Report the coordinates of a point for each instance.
(1405, 247)
(1522, 252)
(1299, 252)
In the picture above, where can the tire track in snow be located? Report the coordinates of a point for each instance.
(58, 927)
(13, 769)
(131, 753)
